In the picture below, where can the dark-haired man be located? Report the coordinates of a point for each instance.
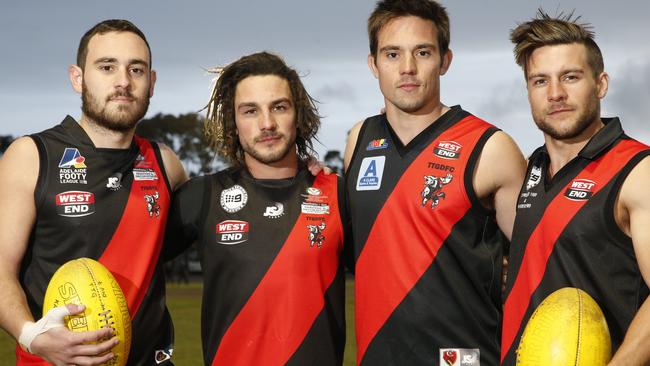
(82, 190)
(584, 209)
(269, 232)
(425, 183)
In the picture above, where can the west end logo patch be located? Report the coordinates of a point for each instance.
(232, 232)
(580, 190)
(371, 173)
(75, 203)
(234, 198)
(448, 149)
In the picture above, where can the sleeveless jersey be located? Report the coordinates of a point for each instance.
(565, 235)
(109, 205)
(273, 291)
(428, 253)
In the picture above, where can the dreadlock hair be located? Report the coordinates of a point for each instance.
(544, 30)
(220, 127)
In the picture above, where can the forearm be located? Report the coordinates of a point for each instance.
(14, 311)
(635, 349)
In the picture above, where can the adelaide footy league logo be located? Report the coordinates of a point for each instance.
(72, 167)
(377, 144)
(580, 190)
(448, 149)
(233, 199)
(232, 232)
(75, 203)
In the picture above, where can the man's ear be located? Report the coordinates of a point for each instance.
(76, 75)
(152, 83)
(446, 62)
(373, 66)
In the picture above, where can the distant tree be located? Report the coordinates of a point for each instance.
(5, 141)
(334, 160)
(184, 135)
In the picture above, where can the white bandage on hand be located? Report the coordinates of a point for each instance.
(54, 318)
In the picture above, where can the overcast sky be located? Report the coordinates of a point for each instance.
(325, 40)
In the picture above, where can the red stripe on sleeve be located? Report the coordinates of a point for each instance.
(542, 241)
(280, 312)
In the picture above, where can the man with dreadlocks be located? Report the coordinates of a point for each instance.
(270, 233)
(583, 212)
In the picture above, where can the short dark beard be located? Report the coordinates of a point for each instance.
(119, 123)
(583, 121)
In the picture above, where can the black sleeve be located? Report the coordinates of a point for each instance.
(185, 217)
(348, 245)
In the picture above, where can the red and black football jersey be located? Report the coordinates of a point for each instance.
(428, 254)
(565, 235)
(273, 291)
(109, 205)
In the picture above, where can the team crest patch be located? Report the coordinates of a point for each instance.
(274, 211)
(231, 232)
(316, 234)
(534, 177)
(460, 357)
(153, 207)
(234, 198)
(433, 189)
(580, 190)
(72, 167)
(371, 173)
(448, 149)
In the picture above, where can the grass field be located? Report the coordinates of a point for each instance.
(184, 302)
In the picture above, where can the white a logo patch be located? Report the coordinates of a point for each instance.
(370, 173)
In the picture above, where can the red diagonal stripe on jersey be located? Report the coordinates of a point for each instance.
(132, 253)
(275, 319)
(542, 241)
(388, 267)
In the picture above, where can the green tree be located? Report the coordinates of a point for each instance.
(184, 135)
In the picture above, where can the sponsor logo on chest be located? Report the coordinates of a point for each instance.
(72, 167)
(314, 202)
(448, 149)
(232, 232)
(274, 211)
(75, 203)
(377, 144)
(371, 173)
(233, 199)
(580, 190)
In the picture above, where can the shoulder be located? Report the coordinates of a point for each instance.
(634, 191)
(173, 166)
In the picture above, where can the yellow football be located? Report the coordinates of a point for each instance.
(567, 328)
(88, 282)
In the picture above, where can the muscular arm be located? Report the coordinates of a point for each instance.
(633, 217)
(175, 171)
(498, 177)
(16, 220)
(58, 345)
(352, 142)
